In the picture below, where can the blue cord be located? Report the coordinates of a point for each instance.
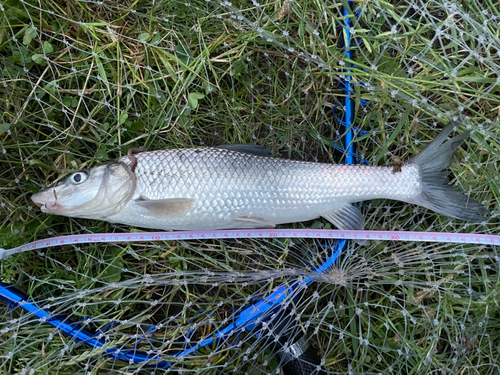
(348, 102)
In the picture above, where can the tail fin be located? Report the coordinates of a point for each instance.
(436, 194)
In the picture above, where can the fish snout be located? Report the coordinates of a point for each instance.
(39, 198)
(46, 200)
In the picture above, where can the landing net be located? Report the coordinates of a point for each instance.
(83, 81)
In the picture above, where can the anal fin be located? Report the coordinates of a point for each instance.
(348, 218)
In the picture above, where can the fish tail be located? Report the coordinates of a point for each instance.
(436, 194)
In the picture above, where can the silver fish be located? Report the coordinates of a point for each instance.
(220, 188)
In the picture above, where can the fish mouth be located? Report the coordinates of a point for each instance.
(45, 206)
(51, 207)
(39, 204)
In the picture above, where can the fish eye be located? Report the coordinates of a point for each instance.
(79, 177)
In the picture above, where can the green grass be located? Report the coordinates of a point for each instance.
(82, 82)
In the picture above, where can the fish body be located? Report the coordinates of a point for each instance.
(218, 188)
(229, 189)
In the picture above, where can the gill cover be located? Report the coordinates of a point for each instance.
(92, 194)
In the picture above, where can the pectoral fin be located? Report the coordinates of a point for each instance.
(348, 218)
(248, 222)
(172, 207)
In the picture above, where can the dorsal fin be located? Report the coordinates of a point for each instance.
(247, 149)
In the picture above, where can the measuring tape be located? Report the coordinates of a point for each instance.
(464, 238)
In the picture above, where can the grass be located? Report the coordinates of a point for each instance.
(83, 82)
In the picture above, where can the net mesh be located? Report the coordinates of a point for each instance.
(83, 81)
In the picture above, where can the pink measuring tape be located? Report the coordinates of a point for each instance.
(464, 238)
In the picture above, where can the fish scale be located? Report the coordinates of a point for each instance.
(228, 184)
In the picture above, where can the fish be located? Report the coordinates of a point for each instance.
(241, 186)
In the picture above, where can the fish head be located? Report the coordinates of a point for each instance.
(91, 194)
